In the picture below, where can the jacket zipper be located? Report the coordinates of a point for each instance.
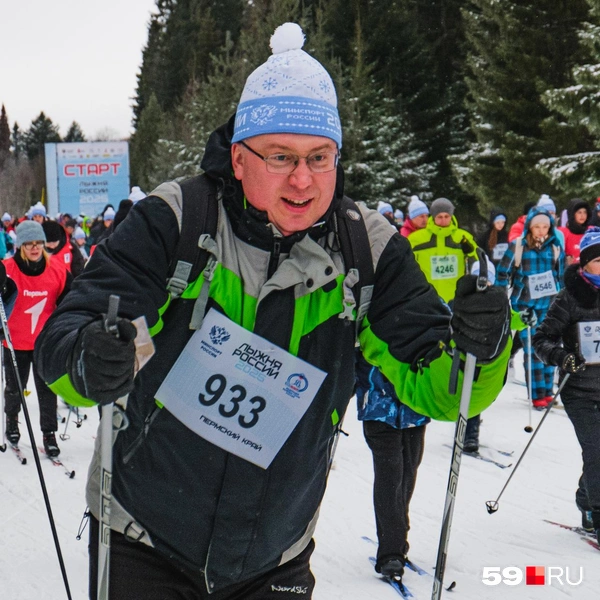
(274, 260)
(141, 436)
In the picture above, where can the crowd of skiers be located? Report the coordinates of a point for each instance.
(529, 260)
(285, 258)
(41, 256)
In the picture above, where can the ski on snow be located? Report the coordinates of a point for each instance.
(483, 458)
(503, 452)
(409, 563)
(18, 454)
(398, 586)
(584, 534)
(58, 463)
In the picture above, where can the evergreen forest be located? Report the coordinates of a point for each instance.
(485, 102)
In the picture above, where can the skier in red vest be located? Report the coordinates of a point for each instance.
(41, 284)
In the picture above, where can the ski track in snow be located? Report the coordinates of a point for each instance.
(516, 535)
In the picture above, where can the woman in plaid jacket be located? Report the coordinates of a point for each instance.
(533, 266)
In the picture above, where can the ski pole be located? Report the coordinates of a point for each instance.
(457, 449)
(529, 428)
(106, 441)
(492, 505)
(33, 447)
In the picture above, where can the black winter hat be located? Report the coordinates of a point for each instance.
(54, 231)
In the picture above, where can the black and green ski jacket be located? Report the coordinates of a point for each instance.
(197, 504)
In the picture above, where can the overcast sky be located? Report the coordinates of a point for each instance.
(76, 60)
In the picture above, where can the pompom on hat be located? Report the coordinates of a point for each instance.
(290, 93)
(546, 202)
(29, 231)
(416, 207)
(6, 217)
(589, 246)
(136, 194)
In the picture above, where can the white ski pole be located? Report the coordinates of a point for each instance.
(457, 449)
(106, 442)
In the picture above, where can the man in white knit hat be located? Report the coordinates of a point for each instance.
(218, 478)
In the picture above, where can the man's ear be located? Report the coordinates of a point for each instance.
(237, 160)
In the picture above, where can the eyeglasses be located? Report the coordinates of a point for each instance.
(284, 164)
(30, 245)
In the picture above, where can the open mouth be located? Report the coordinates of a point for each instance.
(296, 203)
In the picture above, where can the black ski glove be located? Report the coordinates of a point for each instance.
(567, 361)
(529, 317)
(102, 364)
(480, 320)
(466, 246)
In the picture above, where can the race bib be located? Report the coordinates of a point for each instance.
(499, 250)
(239, 391)
(444, 267)
(542, 285)
(589, 341)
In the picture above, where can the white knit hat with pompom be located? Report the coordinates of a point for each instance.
(290, 93)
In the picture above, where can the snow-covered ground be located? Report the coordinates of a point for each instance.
(515, 536)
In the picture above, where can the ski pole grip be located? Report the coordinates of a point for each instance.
(482, 278)
(110, 324)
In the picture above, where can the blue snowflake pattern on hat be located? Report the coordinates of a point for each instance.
(290, 93)
(269, 84)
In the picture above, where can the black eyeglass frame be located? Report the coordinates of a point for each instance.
(296, 162)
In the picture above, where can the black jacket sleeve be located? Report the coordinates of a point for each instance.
(549, 334)
(132, 263)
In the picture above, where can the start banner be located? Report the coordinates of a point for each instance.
(82, 177)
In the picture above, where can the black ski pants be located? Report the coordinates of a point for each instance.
(585, 416)
(397, 454)
(12, 398)
(138, 572)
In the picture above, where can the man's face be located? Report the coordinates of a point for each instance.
(443, 219)
(420, 221)
(293, 201)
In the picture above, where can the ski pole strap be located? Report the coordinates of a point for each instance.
(454, 369)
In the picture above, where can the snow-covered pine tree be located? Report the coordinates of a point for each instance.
(380, 156)
(517, 49)
(578, 174)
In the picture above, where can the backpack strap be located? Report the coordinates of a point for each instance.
(358, 260)
(518, 252)
(199, 217)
